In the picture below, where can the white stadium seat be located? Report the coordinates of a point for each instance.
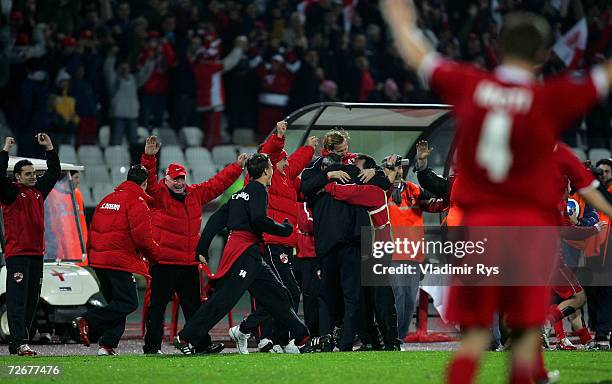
(90, 155)
(116, 156)
(580, 153)
(223, 155)
(199, 175)
(142, 134)
(96, 174)
(249, 150)
(197, 157)
(88, 200)
(192, 136)
(104, 135)
(119, 174)
(243, 136)
(100, 191)
(168, 137)
(170, 154)
(596, 154)
(67, 154)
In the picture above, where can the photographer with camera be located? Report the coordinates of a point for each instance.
(24, 221)
(406, 204)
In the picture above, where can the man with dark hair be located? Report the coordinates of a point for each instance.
(120, 237)
(337, 231)
(177, 218)
(24, 218)
(282, 204)
(241, 267)
(496, 113)
(376, 301)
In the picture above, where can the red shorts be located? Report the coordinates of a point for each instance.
(522, 306)
(572, 287)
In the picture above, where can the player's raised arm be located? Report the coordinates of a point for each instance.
(401, 16)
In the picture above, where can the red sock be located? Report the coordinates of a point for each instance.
(584, 335)
(521, 373)
(559, 331)
(461, 370)
(540, 372)
(554, 314)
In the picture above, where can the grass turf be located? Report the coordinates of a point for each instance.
(336, 368)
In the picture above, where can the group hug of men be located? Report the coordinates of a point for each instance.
(294, 233)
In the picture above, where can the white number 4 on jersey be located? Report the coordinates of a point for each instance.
(493, 152)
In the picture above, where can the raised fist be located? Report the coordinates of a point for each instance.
(241, 161)
(44, 140)
(281, 128)
(9, 142)
(312, 141)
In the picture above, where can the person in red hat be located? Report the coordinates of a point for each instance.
(276, 83)
(208, 67)
(156, 87)
(177, 218)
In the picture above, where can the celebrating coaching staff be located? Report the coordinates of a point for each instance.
(177, 217)
(120, 236)
(24, 222)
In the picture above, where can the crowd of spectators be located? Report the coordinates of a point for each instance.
(69, 67)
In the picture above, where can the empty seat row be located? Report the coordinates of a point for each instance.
(113, 156)
(594, 154)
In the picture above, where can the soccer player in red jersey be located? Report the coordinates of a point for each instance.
(571, 292)
(500, 115)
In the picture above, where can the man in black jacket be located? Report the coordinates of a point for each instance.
(378, 315)
(24, 218)
(241, 267)
(337, 232)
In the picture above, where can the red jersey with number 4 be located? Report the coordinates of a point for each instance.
(507, 122)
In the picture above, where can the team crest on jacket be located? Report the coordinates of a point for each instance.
(284, 258)
(18, 276)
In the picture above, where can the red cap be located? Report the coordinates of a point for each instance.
(86, 34)
(175, 170)
(69, 42)
(22, 39)
(16, 16)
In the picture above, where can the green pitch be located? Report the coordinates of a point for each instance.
(334, 368)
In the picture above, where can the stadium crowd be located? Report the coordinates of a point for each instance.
(224, 66)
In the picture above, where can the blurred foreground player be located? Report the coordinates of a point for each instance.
(241, 267)
(501, 114)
